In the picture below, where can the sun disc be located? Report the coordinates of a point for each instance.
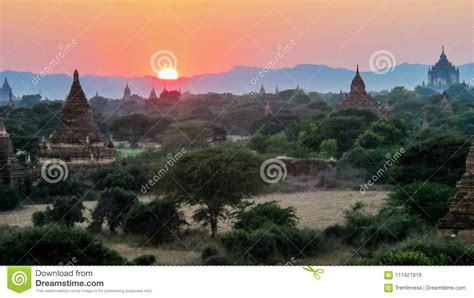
(168, 74)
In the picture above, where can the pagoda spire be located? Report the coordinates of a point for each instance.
(357, 70)
(75, 77)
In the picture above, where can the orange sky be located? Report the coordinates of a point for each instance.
(119, 37)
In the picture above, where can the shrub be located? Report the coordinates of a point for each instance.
(144, 260)
(438, 158)
(265, 214)
(426, 251)
(216, 260)
(405, 258)
(265, 246)
(66, 211)
(364, 229)
(209, 251)
(47, 193)
(52, 245)
(158, 219)
(9, 198)
(112, 207)
(426, 200)
(113, 177)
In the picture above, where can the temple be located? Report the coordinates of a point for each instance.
(152, 94)
(12, 172)
(358, 98)
(446, 108)
(126, 92)
(76, 140)
(262, 90)
(443, 74)
(459, 222)
(6, 92)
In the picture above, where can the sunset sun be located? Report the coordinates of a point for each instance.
(168, 74)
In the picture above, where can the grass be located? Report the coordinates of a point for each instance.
(130, 152)
(316, 210)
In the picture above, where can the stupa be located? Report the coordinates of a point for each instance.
(459, 222)
(77, 140)
(358, 98)
(12, 172)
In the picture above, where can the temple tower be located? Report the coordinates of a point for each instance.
(459, 222)
(358, 98)
(76, 140)
(443, 74)
(126, 92)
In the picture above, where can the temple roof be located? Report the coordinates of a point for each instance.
(76, 124)
(358, 97)
(152, 93)
(6, 86)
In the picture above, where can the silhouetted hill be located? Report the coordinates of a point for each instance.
(238, 80)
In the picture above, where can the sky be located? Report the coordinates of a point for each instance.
(133, 38)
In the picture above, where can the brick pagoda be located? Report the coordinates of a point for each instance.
(460, 218)
(76, 140)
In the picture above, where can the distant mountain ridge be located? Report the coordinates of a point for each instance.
(238, 80)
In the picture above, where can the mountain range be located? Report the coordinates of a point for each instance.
(238, 80)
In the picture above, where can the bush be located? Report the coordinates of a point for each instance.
(144, 260)
(209, 251)
(216, 260)
(437, 158)
(113, 177)
(364, 229)
(112, 207)
(265, 246)
(66, 211)
(269, 213)
(426, 200)
(47, 193)
(10, 199)
(405, 258)
(158, 219)
(422, 251)
(52, 245)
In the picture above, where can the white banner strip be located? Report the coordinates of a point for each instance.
(238, 282)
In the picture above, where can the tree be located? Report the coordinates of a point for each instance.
(194, 133)
(213, 179)
(269, 213)
(53, 245)
(113, 205)
(342, 126)
(66, 211)
(328, 148)
(159, 220)
(9, 198)
(426, 200)
(437, 157)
